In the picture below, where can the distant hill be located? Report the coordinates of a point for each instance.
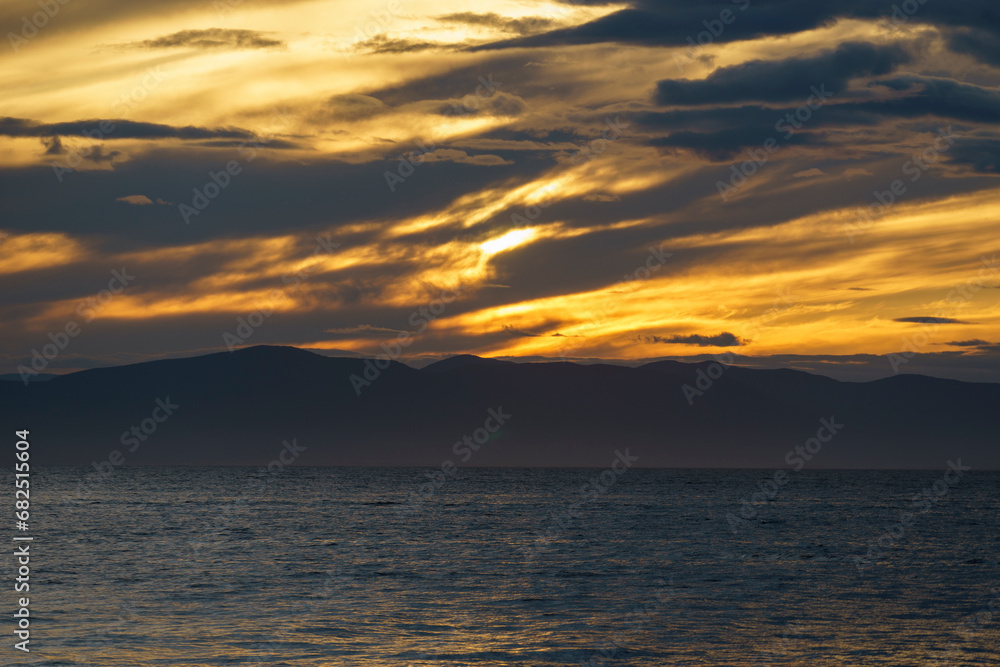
(237, 408)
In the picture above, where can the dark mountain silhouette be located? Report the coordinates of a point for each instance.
(237, 409)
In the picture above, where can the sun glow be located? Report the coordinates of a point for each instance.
(511, 239)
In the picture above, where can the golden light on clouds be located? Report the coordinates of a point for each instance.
(446, 144)
(511, 239)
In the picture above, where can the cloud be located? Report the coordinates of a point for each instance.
(930, 320)
(723, 145)
(856, 171)
(511, 330)
(524, 25)
(979, 44)
(365, 330)
(211, 38)
(383, 44)
(461, 157)
(113, 129)
(97, 155)
(784, 80)
(136, 200)
(808, 173)
(724, 339)
(968, 343)
(355, 107)
(982, 154)
(720, 133)
(674, 22)
(935, 96)
(53, 146)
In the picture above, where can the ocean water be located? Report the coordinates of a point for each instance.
(401, 566)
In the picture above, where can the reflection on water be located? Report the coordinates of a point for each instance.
(320, 566)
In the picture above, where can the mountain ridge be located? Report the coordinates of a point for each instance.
(237, 408)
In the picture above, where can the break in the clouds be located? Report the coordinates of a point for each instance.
(393, 168)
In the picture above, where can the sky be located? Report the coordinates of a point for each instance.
(771, 183)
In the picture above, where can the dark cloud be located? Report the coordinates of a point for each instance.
(673, 25)
(968, 343)
(928, 96)
(980, 44)
(930, 320)
(784, 80)
(727, 144)
(383, 44)
(258, 143)
(524, 25)
(935, 97)
(97, 155)
(53, 146)
(513, 331)
(323, 194)
(366, 330)
(724, 339)
(211, 38)
(983, 155)
(509, 329)
(685, 23)
(96, 128)
(719, 133)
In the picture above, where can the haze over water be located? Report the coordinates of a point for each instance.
(338, 566)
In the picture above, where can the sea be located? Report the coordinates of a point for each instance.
(302, 566)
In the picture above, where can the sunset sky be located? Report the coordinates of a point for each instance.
(629, 181)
